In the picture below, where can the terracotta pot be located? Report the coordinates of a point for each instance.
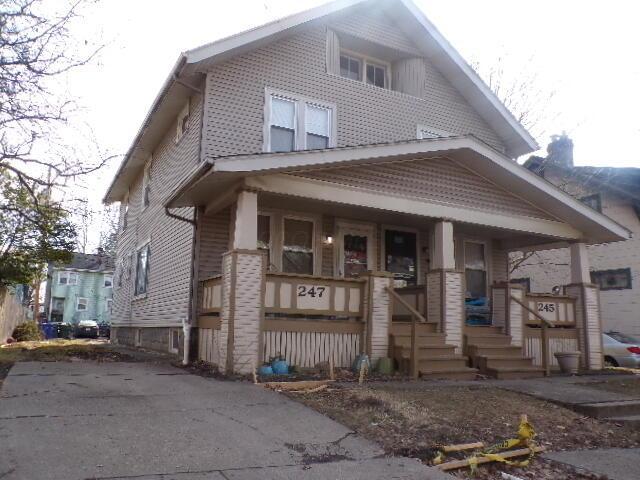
(569, 362)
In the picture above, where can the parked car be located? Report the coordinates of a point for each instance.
(87, 329)
(621, 350)
(104, 329)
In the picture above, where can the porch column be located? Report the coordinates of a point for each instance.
(378, 314)
(243, 279)
(588, 321)
(445, 287)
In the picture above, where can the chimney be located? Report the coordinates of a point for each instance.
(560, 151)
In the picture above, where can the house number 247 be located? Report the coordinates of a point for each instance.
(313, 292)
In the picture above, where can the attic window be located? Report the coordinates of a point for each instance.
(425, 131)
(593, 201)
(146, 184)
(183, 122)
(364, 69)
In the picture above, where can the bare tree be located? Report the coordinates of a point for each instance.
(37, 50)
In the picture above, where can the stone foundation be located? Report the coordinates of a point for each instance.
(151, 338)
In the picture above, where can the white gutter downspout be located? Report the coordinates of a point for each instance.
(186, 330)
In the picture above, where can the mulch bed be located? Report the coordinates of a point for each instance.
(415, 422)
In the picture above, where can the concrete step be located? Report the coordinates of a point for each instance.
(623, 408)
(493, 350)
(488, 339)
(505, 373)
(404, 328)
(465, 373)
(631, 420)
(500, 361)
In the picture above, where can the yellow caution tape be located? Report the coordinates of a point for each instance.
(526, 434)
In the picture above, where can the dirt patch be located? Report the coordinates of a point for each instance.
(415, 422)
(628, 385)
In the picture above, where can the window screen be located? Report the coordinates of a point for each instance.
(283, 130)
(297, 251)
(317, 127)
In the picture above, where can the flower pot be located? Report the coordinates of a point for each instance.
(280, 367)
(265, 370)
(385, 366)
(569, 362)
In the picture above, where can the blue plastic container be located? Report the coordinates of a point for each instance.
(49, 331)
(280, 367)
(265, 370)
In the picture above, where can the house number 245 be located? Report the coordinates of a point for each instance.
(546, 307)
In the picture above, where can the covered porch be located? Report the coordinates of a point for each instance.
(396, 251)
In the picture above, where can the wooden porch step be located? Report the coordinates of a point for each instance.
(424, 339)
(493, 350)
(404, 328)
(465, 373)
(488, 339)
(426, 351)
(486, 362)
(441, 364)
(482, 330)
(515, 372)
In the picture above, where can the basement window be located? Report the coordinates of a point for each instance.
(174, 341)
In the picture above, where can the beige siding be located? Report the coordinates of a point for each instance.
(620, 308)
(365, 114)
(214, 241)
(437, 179)
(167, 300)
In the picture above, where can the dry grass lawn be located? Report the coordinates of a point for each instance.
(415, 422)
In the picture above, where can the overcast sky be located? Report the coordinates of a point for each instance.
(584, 52)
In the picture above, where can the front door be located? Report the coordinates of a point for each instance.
(355, 249)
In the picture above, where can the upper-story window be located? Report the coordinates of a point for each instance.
(67, 278)
(108, 281)
(182, 122)
(142, 270)
(298, 123)
(146, 184)
(594, 201)
(364, 69)
(124, 208)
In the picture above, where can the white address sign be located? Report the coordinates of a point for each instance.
(313, 297)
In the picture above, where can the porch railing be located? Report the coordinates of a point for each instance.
(558, 309)
(292, 294)
(415, 296)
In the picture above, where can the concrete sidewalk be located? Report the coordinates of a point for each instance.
(82, 420)
(615, 463)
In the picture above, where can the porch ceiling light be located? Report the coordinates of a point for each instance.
(328, 239)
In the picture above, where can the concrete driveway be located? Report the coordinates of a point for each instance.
(85, 420)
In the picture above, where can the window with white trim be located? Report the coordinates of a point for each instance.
(67, 278)
(297, 247)
(109, 305)
(108, 281)
(182, 123)
(82, 304)
(142, 270)
(364, 69)
(146, 184)
(124, 211)
(297, 123)
(618, 279)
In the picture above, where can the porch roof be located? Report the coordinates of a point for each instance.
(217, 178)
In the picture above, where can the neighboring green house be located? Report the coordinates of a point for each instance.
(80, 290)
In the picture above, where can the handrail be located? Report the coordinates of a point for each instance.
(544, 340)
(413, 356)
(406, 305)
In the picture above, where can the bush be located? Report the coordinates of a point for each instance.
(28, 331)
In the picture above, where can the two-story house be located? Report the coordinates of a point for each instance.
(80, 290)
(336, 182)
(615, 267)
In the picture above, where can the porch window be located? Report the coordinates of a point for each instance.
(619, 279)
(475, 270)
(401, 255)
(297, 249)
(283, 125)
(264, 236)
(142, 270)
